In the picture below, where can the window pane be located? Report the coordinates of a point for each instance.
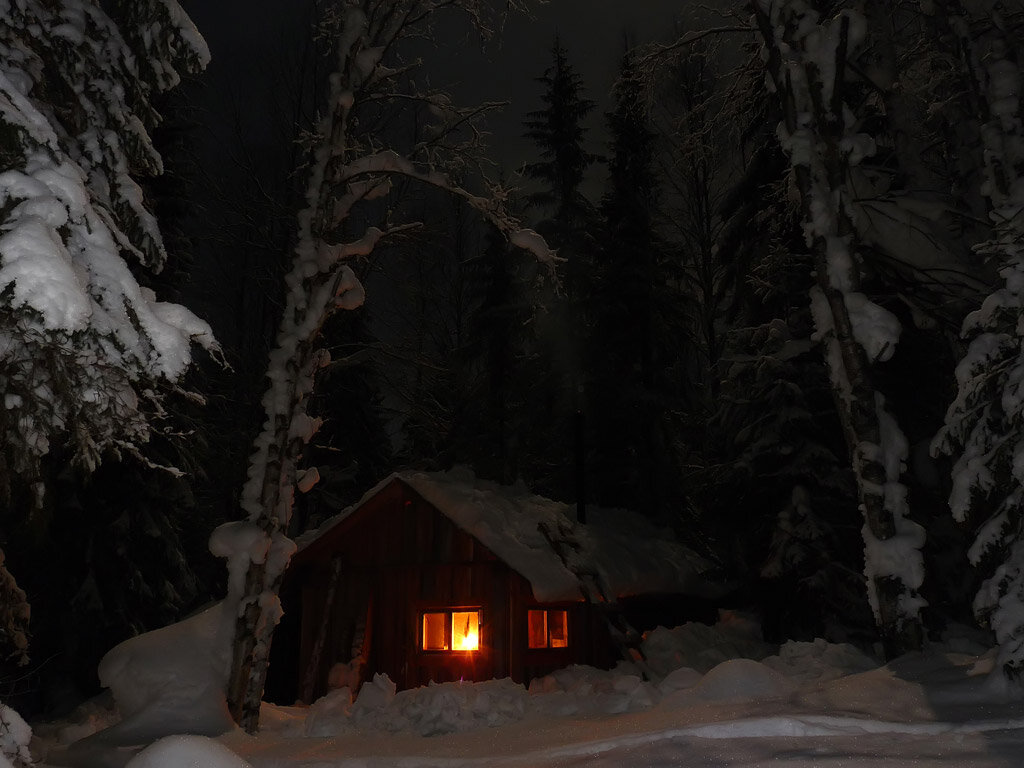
(558, 629)
(537, 629)
(466, 630)
(434, 631)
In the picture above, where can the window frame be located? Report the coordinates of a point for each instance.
(449, 613)
(547, 611)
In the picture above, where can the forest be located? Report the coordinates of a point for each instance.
(776, 307)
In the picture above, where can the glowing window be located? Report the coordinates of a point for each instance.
(434, 635)
(547, 629)
(466, 630)
(451, 630)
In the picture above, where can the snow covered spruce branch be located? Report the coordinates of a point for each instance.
(984, 426)
(806, 58)
(351, 169)
(87, 354)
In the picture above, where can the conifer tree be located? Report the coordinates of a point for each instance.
(495, 431)
(89, 353)
(558, 132)
(985, 423)
(569, 221)
(632, 314)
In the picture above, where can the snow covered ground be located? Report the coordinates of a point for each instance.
(722, 698)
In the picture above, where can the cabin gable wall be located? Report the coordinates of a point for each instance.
(366, 583)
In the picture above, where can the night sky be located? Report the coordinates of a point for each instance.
(255, 43)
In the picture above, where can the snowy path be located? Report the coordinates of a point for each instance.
(872, 718)
(810, 705)
(793, 741)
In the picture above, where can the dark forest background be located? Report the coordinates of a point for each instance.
(674, 354)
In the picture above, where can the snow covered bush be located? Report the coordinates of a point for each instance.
(174, 751)
(14, 738)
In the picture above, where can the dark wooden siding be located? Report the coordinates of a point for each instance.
(399, 556)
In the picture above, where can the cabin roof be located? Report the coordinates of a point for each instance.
(630, 555)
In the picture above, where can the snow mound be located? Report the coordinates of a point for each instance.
(182, 751)
(89, 717)
(428, 711)
(702, 647)
(443, 708)
(585, 690)
(742, 679)
(679, 679)
(819, 661)
(15, 735)
(170, 680)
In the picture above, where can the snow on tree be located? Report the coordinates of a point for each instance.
(15, 735)
(352, 171)
(984, 429)
(87, 354)
(806, 56)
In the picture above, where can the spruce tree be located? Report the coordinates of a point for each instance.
(89, 354)
(494, 433)
(984, 423)
(568, 223)
(558, 132)
(632, 314)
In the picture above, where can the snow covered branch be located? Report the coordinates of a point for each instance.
(985, 423)
(88, 354)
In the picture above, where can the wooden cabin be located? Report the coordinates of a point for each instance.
(440, 577)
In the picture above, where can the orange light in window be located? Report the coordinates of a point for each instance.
(558, 629)
(537, 629)
(434, 631)
(466, 630)
(547, 629)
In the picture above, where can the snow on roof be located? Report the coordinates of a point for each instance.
(629, 554)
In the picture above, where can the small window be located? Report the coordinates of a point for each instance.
(451, 630)
(434, 635)
(548, 629)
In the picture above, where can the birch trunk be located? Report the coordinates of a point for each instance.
(816, 134)
(346, 171)
(319, 283)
